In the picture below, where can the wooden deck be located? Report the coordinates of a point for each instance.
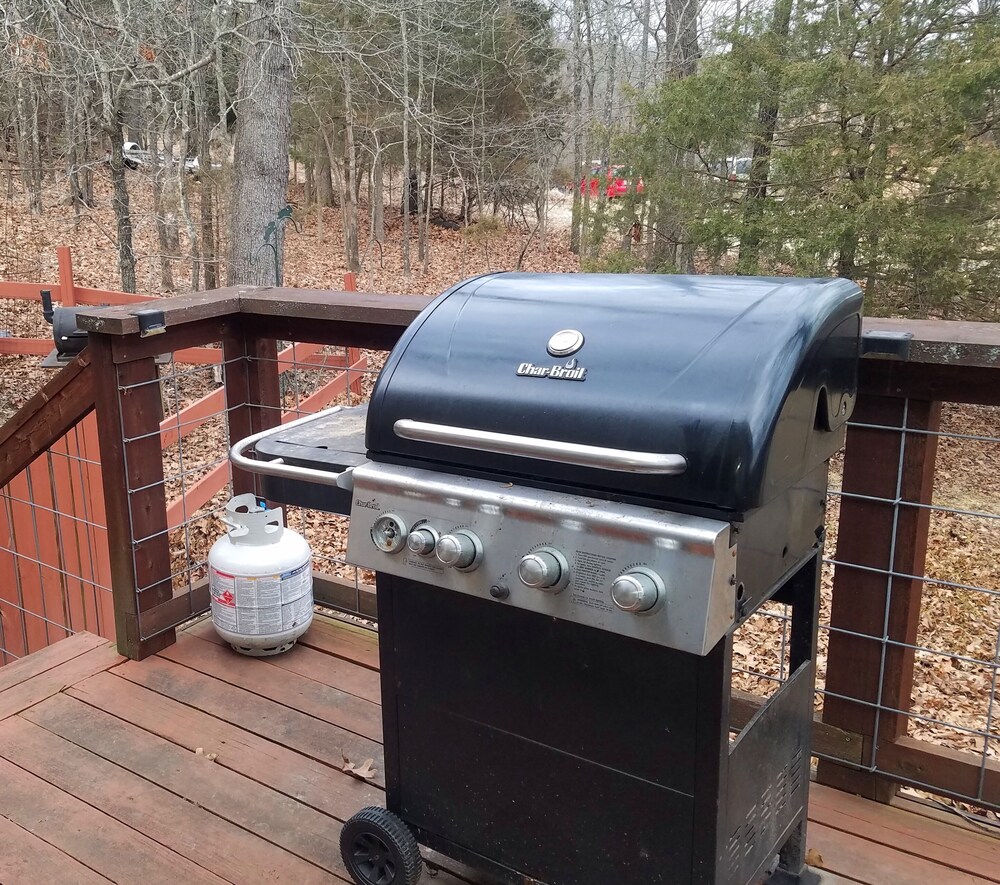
(202, 766)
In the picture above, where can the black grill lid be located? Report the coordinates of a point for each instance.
(749, 378)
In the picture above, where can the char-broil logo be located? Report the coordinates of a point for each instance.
(569, 372)
(371, 504)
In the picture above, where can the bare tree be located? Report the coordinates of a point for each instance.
(260, 163)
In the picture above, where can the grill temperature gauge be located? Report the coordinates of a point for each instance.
(389, 533)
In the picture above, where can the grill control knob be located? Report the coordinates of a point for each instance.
(545, 569)
(422, 540)
(460, 550)
(638, 590)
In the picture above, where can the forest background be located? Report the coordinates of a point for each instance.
(818, 137)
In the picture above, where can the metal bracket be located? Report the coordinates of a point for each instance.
(151, 321)
(879, 344)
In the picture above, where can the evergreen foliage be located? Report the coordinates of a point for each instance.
(884, 166)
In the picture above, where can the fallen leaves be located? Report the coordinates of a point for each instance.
(363, 772)
(814, 858)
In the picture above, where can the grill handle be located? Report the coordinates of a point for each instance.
(277, 467)
(545, 449)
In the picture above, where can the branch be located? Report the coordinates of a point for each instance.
(202, 62)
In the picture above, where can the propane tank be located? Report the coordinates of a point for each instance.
(260, 577)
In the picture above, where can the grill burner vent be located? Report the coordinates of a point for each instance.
(762, 818)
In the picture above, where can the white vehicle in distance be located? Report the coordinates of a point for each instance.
(135, 157)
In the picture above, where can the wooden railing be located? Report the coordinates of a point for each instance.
(248, 325)
(55, 550)
(862, 737)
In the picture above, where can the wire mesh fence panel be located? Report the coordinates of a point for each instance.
(54, 564)
(949, 650)
(196, 481)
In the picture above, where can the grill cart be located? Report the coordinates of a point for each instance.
(573, 489)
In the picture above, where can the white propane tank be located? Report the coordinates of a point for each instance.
(260, 577)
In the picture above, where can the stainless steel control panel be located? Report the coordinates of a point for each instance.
(658, 576)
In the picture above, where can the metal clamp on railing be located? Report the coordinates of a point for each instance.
(277, 466)
(886, 344)
(544, 449)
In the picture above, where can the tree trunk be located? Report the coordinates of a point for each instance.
(88, 170)
(350, 205)
(760, 166)
(26, 136)
(160, 213)
(668, 244)
(576, 225)
(324, 176)
(74, 159)
(644, 57)
(263, 126)
(609, 98)
(405, 48)
(378, 196)
(308, 189)
(120, 204)
(183, 198)
(209, 264)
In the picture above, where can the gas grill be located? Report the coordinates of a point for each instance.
(572, 490)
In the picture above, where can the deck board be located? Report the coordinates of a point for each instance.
(55, 679)
(322, 701)
(26, 859)
(103, 780)
(277, 722)
(242, 801)
(47, 658)
(97, 840)
(951, 846)
(245, 752)
(143, 805)
(338, 672)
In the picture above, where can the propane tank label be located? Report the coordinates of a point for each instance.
(296, 612)
(296, 582)
(262, 603)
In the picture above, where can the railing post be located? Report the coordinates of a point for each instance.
(876, 611)
(253, 394)
(352, 354)
(67, 288)
(129, 411)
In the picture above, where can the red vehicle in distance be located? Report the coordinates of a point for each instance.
(617, 182)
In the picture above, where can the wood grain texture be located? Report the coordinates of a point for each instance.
(100, 770)
(336, 672)
(47, 658)
(276, 722)
(177, 311)
(343, 641)
(863, 861)
(64, 400)
(96, 839)
(306, 695)
(316, 783)
(54, 680)
(26, 859)
(908, 833)
(205, 839)
(273, 816)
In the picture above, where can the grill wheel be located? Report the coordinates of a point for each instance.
(378, 849)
